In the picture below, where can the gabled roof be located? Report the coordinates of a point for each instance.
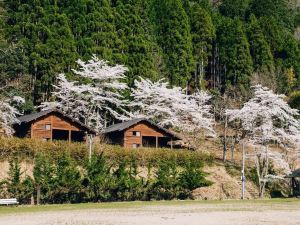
(125, 125)
(34, 116)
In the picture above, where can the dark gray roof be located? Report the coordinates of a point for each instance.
(122, 126)
(34, 116)
(295, 173)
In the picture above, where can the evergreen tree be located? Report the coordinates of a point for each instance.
(174, 37)
(278, 9)
(235, 53)
(56, 54)
(234, 8)
(274, 34)
(260, 50)
(203, 34)
(136, 32)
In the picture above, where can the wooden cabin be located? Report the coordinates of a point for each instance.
(140, 133)
(51, 124)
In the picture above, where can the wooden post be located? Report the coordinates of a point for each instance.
(38, 195)
(90, 137)
(70, 135)
(171, 143)
(243, 172)
(156, 139)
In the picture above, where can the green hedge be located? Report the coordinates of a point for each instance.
(30, 148)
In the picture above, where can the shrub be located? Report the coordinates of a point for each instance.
(15, 186)
(190, 178)
(98, 179)
(63, 174)
(43, 173)
(166, 184)
(67, 181)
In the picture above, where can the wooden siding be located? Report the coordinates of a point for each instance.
(144, 129)
(38, 129)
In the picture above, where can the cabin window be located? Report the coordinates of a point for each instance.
(135, 145)
(48, 127)
(136, 133)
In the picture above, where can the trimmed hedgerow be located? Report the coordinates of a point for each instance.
(29, 148)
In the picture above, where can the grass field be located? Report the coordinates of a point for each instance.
(278, 211)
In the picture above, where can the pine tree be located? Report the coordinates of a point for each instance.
(174, 37)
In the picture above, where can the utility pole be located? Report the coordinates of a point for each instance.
(243, 171)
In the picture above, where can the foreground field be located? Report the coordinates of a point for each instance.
(149, 213)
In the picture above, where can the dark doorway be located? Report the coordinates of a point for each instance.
(149, 141)
(163, 142)
(60, 134)
(77, 136)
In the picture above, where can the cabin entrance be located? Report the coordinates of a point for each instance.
(155, 142)
(149, 141)
(68, 135)
(60, 135)
(77, 136)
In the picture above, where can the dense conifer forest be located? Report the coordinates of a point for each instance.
(221, 46)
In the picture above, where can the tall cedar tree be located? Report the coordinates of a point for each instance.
(203, 34)
(174, 37)
(136, 32)
(260, 50)
(279, 9)
(47, 40)
(234, 52)
(234, 8)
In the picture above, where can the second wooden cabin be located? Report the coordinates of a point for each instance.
(140, 133)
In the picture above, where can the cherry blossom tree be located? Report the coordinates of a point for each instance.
(96, 98)
(9, 113)
(267, 118)
(172, 107)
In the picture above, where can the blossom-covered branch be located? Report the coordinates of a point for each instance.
(95, 100)
(267, 117)
(9, 114)
(172, 106)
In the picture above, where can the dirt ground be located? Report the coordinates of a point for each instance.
(177, 214)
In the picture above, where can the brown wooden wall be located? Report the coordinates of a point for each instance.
(38, 127)
(145, 129)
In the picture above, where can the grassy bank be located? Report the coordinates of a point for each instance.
(276, 204)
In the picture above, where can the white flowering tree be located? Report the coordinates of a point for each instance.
(172, 107)
(267, 118)
(9, 114)
(96, 98)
